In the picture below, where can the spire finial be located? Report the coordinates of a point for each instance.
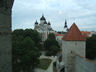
(65, 21)
(42, 18)
(65, 26)
(42, 14)
(74, 23)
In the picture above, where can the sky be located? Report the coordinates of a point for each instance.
(82, 12)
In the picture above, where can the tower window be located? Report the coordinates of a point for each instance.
(75, 43)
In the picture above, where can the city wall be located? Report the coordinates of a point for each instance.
(5, 36)
(84, 65)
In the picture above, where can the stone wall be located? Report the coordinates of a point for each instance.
(5, 36)
(84, 65)
(68, 57)
(5, 53)
(73, 53)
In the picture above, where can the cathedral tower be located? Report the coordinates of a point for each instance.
(36, 25)
(43, 28)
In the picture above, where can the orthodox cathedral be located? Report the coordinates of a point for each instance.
(44, 28)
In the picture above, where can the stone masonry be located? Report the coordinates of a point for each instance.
(5, 36)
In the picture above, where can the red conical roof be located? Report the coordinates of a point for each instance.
(74, 34)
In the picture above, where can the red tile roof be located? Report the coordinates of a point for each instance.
(86, 33)
(59, 34)
(74, 34)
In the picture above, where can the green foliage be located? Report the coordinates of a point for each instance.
(44, 63)
(51, 45)
(51, 36)
(52, 50)
(33, 34)
(25, 51)
(91, 47)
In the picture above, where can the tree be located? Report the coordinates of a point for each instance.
(91, 47)
(52, 50)
(51, 45)
(33, 34)
(50, 41)
(25, 55)
(51, 36)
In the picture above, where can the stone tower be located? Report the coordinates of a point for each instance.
(5, 36)
(73, 42)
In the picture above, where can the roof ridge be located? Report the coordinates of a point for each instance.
(74, 34)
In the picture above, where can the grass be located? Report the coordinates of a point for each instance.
(44, 63)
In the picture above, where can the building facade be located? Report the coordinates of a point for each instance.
(43, 28)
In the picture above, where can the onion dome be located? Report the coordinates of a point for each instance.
(36, 22)
(49, 23)
(42, 18)
(45, 22)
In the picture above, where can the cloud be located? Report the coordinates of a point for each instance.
(83, 12)
(87, 4)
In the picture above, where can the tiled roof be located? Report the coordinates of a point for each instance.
(74, 34)
(59, 34)
(86, 33)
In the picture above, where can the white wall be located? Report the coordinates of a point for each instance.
(42, 22)
(59, 37)
(67, 57)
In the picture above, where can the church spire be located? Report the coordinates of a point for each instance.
(65, 26)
